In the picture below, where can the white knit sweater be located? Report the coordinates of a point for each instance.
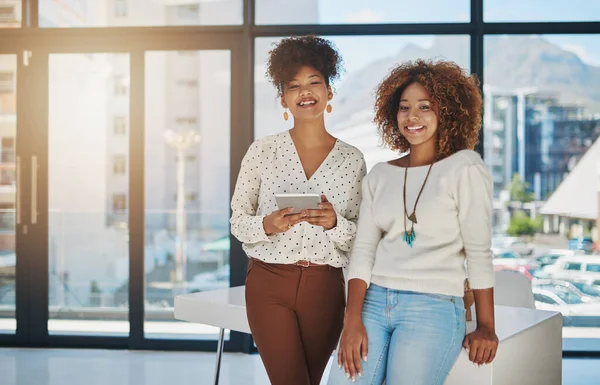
(454, 223)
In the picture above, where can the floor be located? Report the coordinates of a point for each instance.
(101, 367)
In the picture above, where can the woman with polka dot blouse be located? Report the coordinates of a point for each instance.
(295, 291)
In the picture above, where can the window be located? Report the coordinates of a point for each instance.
(188, 11)
(8, 150)
(360, 12)
(120, 8)
(544, 299)
(507, 255)
(120, 126)
(541, 123)
(188, 158)
(572, 266)
(120, 86)
(568, 297)
(140, 13)
(593, 268)
(119, 164)
(192, 83)
(7, 82)
(7, 177)
(189, 197)
(587, 288)
(9, 16)
(173, 120)
(186, 120)
(119, 203)
(7, 219)
(535, 11)
(8, 12)
(88, 192)
(10, 192)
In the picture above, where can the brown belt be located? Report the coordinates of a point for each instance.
(301, 263)
(306, 263)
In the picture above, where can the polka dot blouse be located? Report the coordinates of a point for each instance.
(272, 166)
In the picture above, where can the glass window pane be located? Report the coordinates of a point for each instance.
(540, 10)
(594, 268)
(10, 13)
(367, 61)
(361, 12)
(8, 190)
(541, 143)
(187, 130)
(88, 231)
(572, 266)
(130, 13)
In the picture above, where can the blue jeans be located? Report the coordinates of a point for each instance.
(414, 338)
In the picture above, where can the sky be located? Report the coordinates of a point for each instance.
(336, 11)
(359, 51)
(390, 11)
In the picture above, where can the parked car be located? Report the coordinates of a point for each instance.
(515, 244)
(550, 257)
(586, 288)
(568, 305)
(509, 259)
(577, 267)
(584, 244)
(560, 285)
(520, 269)
(212, 280)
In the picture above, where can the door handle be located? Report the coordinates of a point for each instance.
(18, 203)
(34, 170)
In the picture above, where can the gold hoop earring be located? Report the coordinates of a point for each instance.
(286, 116)
(329, 108)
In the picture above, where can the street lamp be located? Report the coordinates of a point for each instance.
(181, 142)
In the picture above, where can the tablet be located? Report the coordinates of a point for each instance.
(298, 202)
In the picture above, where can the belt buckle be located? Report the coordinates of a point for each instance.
(303, 263)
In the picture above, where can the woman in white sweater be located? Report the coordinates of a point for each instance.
(422, 216)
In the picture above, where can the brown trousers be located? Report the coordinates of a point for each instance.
(296, 316)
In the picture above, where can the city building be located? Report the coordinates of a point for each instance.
(8, 130)
(533, 134)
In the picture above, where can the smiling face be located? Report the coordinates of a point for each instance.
(417, 119)
(307, 94)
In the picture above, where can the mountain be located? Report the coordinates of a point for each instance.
(510, 62)
(357, 92)
(524, 61)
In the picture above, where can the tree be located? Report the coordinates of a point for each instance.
(519, 190)
(95, 293)
(521, 224)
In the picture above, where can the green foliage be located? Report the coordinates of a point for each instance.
(521, 224)
(519, 190)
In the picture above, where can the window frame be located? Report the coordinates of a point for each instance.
(30, 37)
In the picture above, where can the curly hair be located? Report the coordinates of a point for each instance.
(456, 98)
(292, 53)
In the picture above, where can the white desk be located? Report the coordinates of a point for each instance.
(530, 350)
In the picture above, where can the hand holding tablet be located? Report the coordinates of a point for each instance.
(298, 202)
(312, 208)
(290, 211)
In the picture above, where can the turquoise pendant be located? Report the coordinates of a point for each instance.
(409, 237)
